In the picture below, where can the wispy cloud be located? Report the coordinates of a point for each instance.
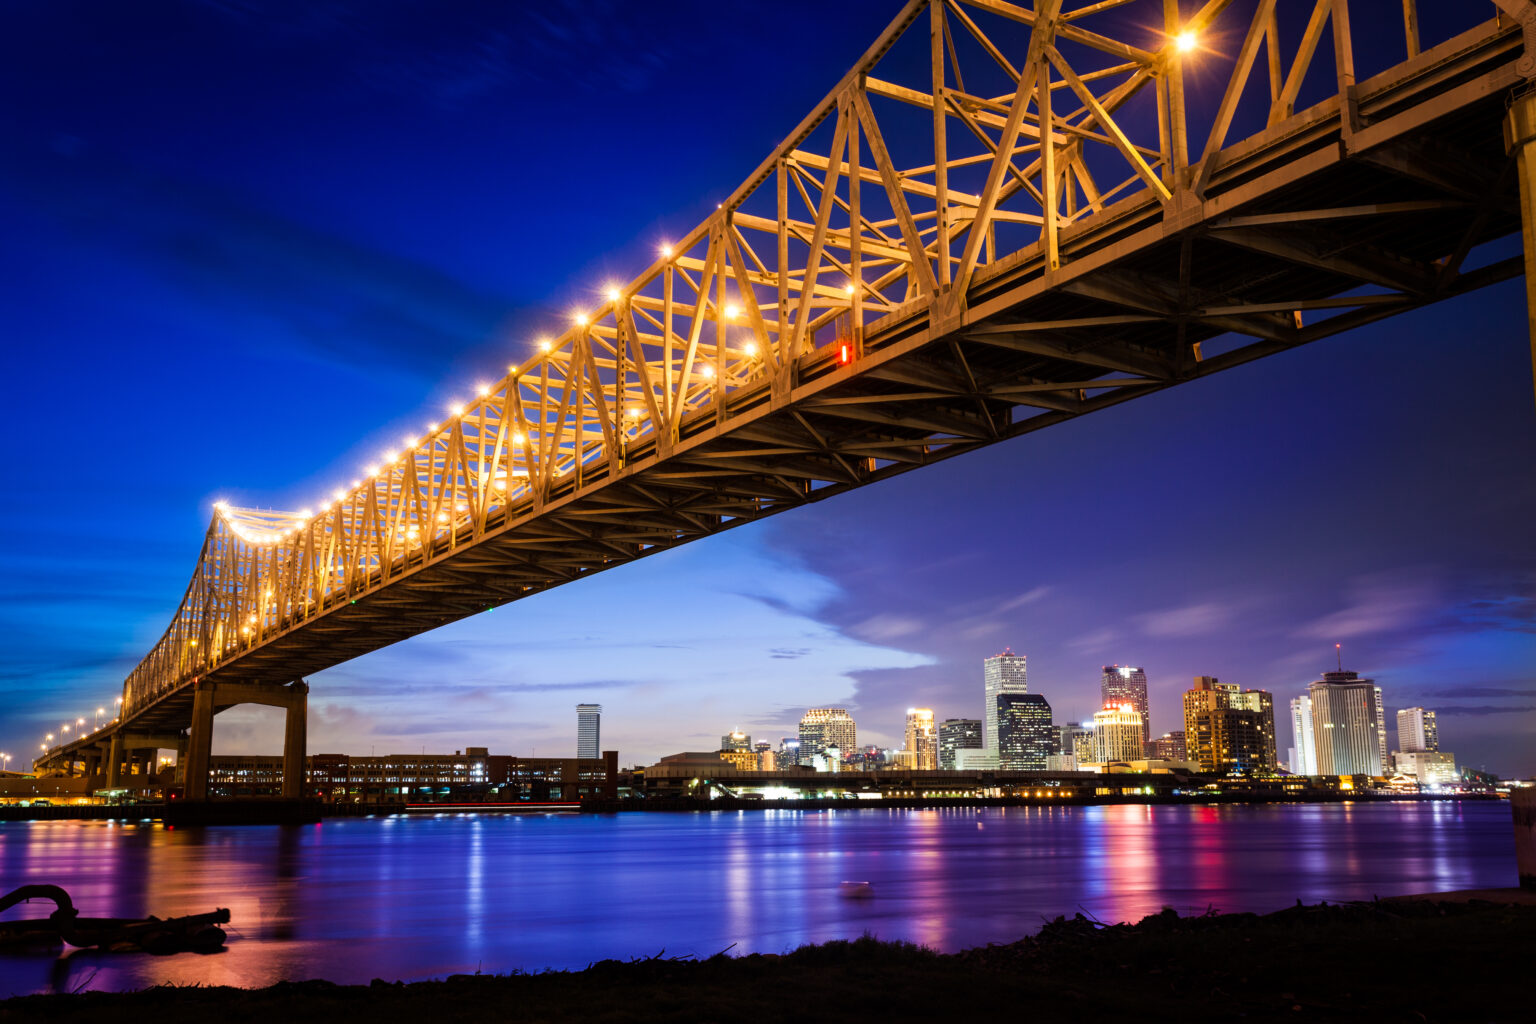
(1468, 692)
(1191, 620)
(886, 627)
(1378, 604)
(1485, 709)
(1028, 597)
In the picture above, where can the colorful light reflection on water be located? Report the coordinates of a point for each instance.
(355, 899)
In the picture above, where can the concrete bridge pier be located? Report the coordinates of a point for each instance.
(209, 698)
(128, 749)
(115, 761)
(1520, 142)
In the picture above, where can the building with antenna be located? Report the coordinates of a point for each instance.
(1127, 684)
(1348, 730)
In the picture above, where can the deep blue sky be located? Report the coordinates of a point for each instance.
(249, 244)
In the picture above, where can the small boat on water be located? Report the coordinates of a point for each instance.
(198, 933)
(856, 890)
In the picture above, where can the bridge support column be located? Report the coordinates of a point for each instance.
(209, 698)
(1520, 141)
(199, 741)
(115, 761)
(295, 740)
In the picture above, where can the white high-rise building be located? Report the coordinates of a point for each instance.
(1002, 673)
(1347, 729)
(1304, 753)
(588, 718)
(1117, 734)
(1416, 730)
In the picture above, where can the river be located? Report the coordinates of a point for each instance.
(354, 899)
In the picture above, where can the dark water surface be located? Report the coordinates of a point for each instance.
(397, 898)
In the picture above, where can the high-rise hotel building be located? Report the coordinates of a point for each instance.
(922, 742)
(1117, 734)
(1002, 673)
(588, 722)
(1347, 727)
(821, 728)
(1304, 753)
(1416, 730)
(1127, 684)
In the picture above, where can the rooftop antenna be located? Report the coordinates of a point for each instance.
(1337, 651)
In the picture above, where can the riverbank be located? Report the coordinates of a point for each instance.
(1416, 959)
(265, 811)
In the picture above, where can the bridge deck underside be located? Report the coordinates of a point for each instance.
(1282, 228)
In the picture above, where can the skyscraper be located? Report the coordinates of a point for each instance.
(1002, 673)
(1304, 753)
(821, 728)
(1416, 730)
(1170, 746)
(735, 740)
(1117, 734)
(1347, 727)
(587, 727)
(1024, 733)
(1126, 684)
(957, 734)
(922, 744)
(1227, 729)
(1073, 745)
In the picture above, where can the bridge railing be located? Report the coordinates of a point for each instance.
(974, 138)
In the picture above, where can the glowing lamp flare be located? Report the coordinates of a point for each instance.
(1186, 40)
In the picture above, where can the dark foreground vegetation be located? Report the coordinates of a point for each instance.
(1387, 961)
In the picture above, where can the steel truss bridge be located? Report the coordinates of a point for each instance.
(1001, 218)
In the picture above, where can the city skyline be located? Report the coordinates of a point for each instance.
(352, 231)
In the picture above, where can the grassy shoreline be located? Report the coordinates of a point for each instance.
(1409, 960)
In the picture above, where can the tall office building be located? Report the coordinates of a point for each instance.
(789, 751)
(1416, 730)
(1076, 742)
(1127, 684)
(922, 743)
(957, 734)
(1169, 746)
(766, 760)
(735, 740)
(587, 723)
(1227, 729)
(1024, 733)
(1002, 673)
(1347, 728)
(1304, 753)
(821, 728)
(1117, 734)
